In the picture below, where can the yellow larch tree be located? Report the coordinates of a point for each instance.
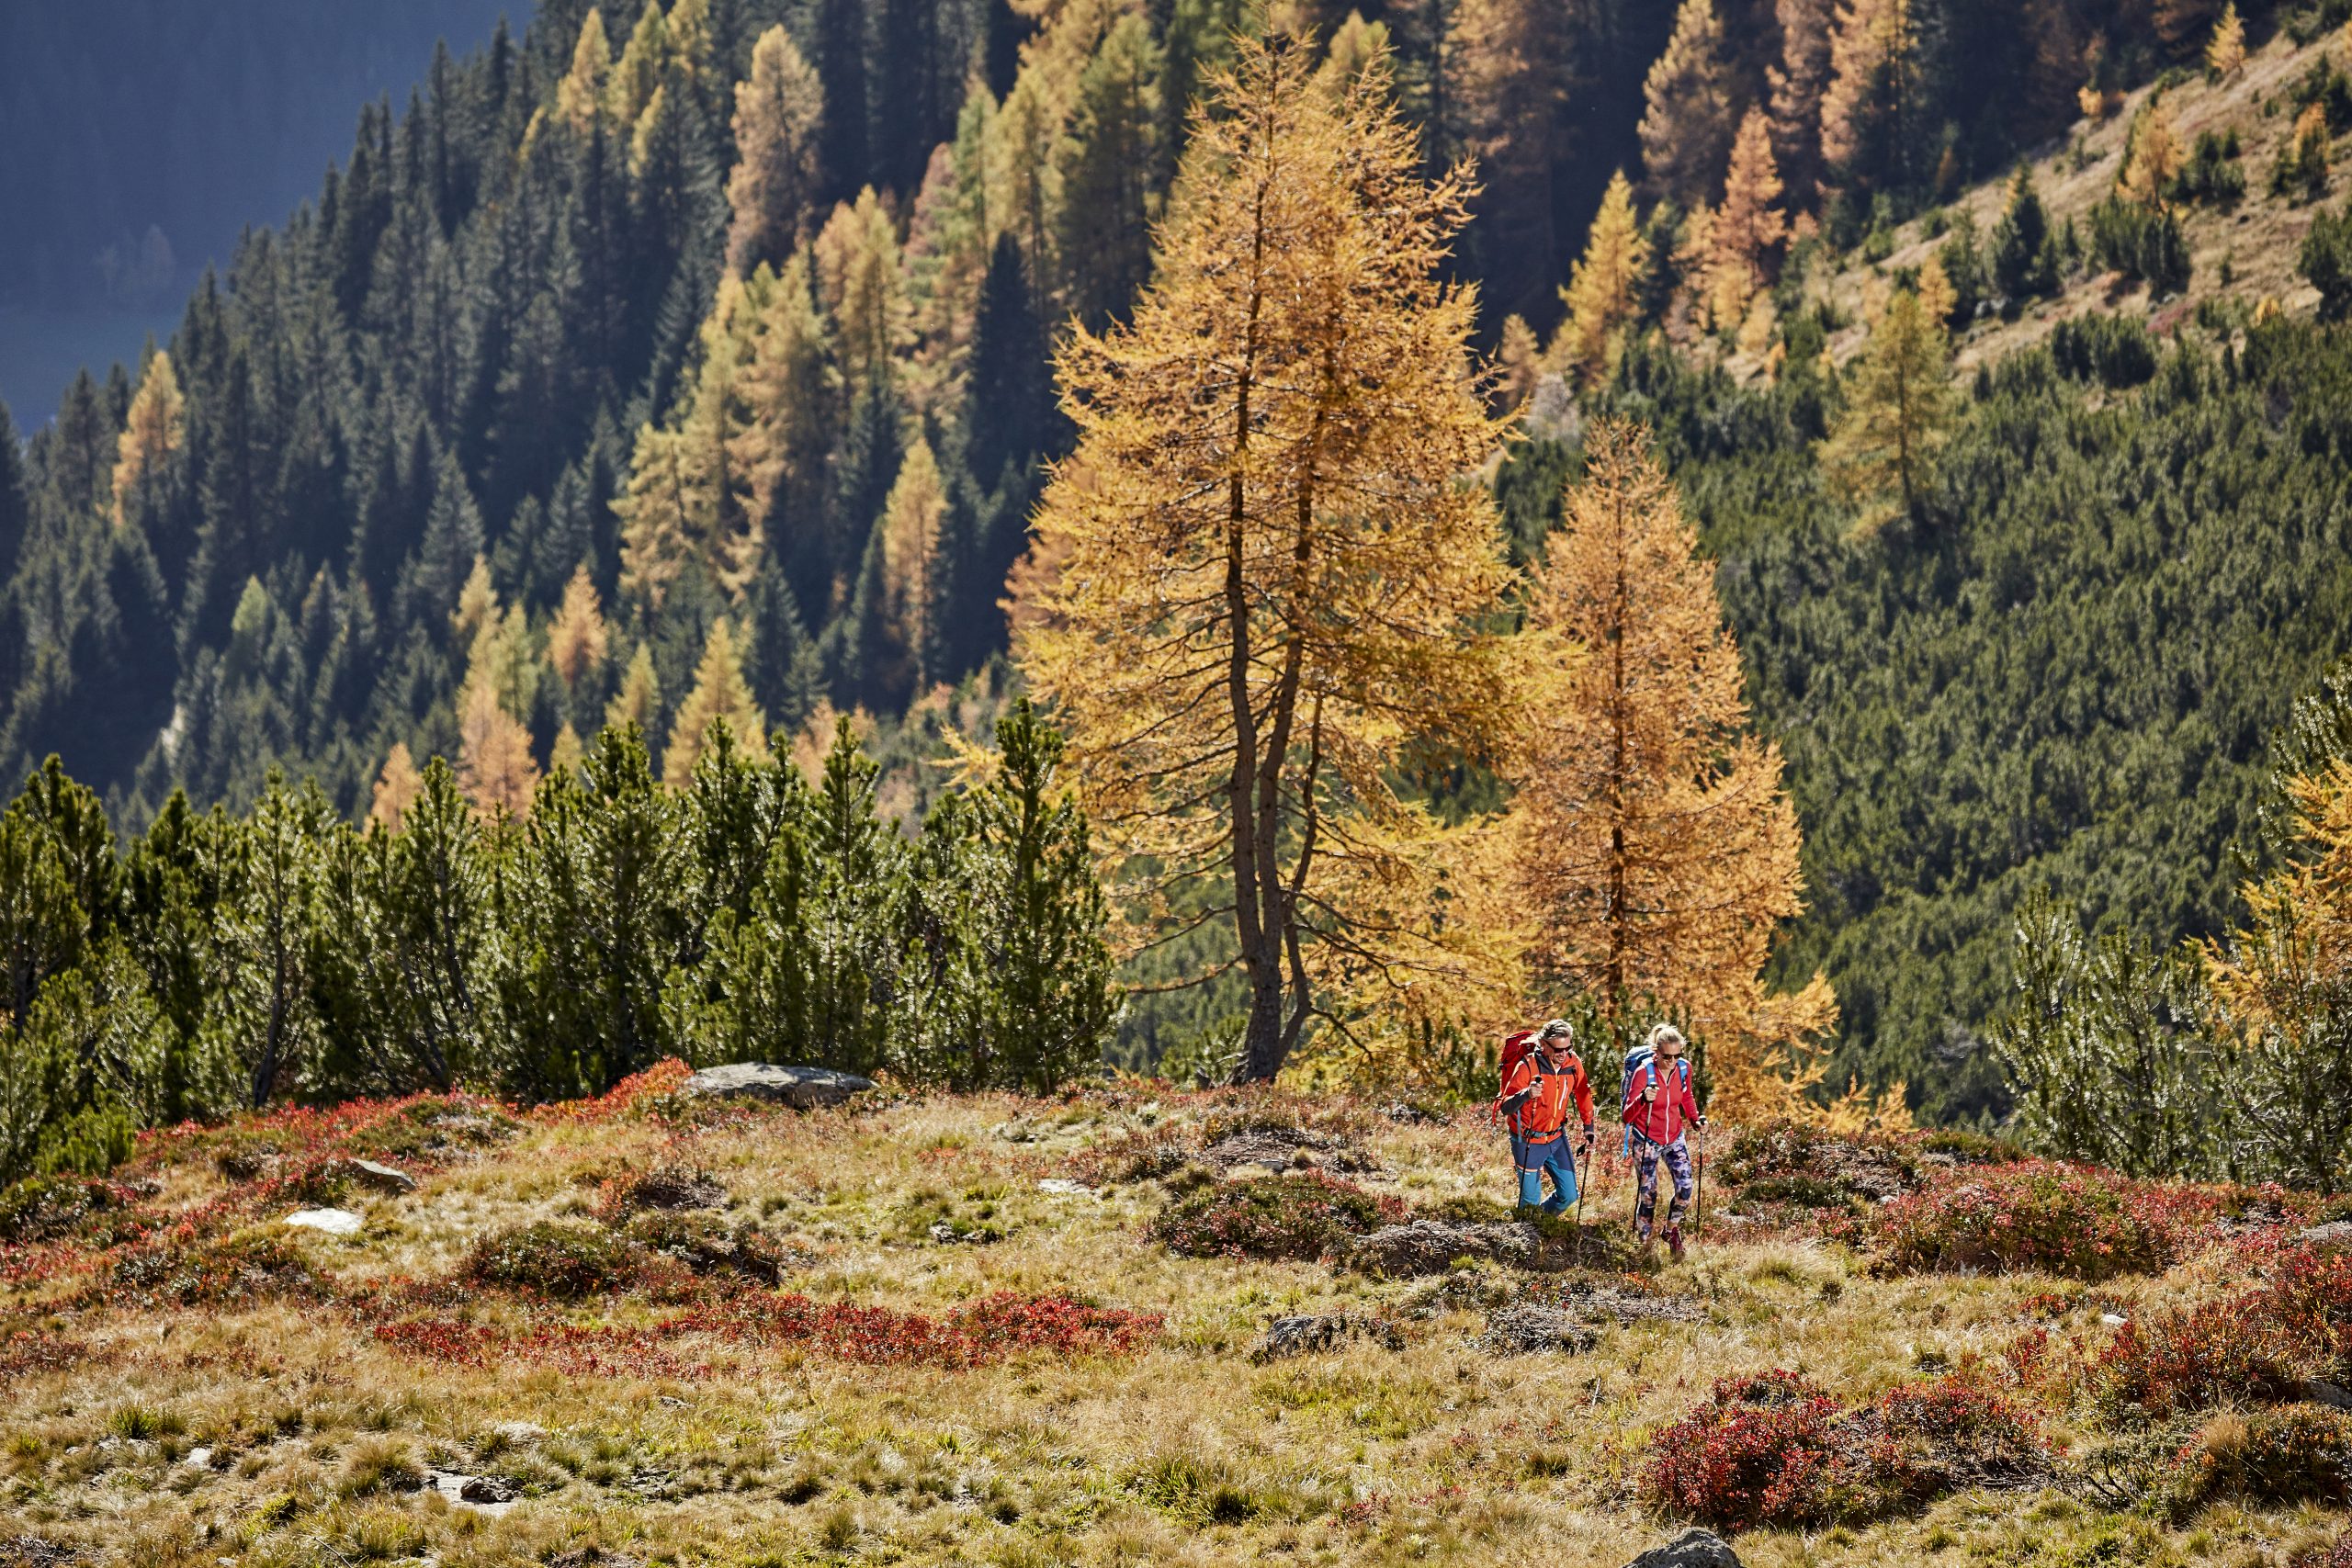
(496, 768)
(775, 180)
(640, 699)
(862, 288)
(1603, 295)
(1747, 226)
(1656, 848)
(1897, 416)
(1273, 581)
(911, 521)
(636, 76)
(1519, 362)
(1686, 126)
(687, 498)
(579, 96)
(788, 395)
(1870, 79)
(720, 693)
(2278, 989)
(576, 638)
(2152, 155)
(477, 605)
(153, 430)
(2225, 50)
(396, 787)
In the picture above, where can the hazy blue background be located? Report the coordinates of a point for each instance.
(138, 137)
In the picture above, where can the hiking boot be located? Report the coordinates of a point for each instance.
(1674, 1242)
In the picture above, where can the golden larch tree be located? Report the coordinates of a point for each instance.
(153, 430)
(576, 638)
(2225, 50)
(1748, 226)
(686, 498)
(1869, 67)
(1273, 576)
(636, 76)
(396, 787)
(911, 521)
(1897, 416)
(720, 693)
(496, 768)
(579, 96)
(1686, 126)
(775, 180)
(1798, 83)
(1519, 362)
(788, 396)
(1656, 847)
(639, 700)
(2153, 155)
(862, 288)
(1603, 295)
(565, 753)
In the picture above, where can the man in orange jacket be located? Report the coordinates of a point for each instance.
(1537, 1092)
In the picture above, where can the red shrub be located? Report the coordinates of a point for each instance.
(2064, 1219)
(1772, 1450)
(1761, 1451)
(629, 1097)
(2258, 1345)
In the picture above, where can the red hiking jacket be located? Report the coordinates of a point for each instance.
(1662, 1120)
(1542, 1114)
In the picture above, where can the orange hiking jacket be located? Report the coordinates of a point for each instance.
(1542, 1116)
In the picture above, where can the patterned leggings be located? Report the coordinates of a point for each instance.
(1677, 1165)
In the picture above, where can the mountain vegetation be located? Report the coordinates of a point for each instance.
(692, 373)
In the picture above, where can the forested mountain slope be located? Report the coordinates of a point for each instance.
(666, 363)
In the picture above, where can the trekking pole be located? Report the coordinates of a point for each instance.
(1699, 1195)
(1580, 1185)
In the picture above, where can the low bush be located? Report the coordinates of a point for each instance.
(2073, 1220)
(41, 1208)
(2338, 1555)
(707, 1245)
(1829, 1168)
(671, 1187)
(1290, 1216)
(237, 1269)
(559, 1258)
(2302, 1453)
(1762, 1450)
(2259, 1346)
(1772, 1450)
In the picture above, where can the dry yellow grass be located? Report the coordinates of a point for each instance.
(2258, 241)
(1185, 1452)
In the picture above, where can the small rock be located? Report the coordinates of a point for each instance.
(803, 1089)
(1063, 1187)
(1308, 1333)
(382, 1177)
(1430, 1246)
(483, 1493)
(1693, 1548)
(197, 1457)
(2323, 1393)
(1408, 1115)
(1525, 1330)
(334, 1222)
(2113, 1319)
(2333, 1236)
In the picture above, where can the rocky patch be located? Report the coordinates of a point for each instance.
(802, 1088)
(1530, 1329)
(1314, 1333)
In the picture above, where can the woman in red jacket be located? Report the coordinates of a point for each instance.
(1658, 1107)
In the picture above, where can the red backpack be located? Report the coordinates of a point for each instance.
(1515, 1051)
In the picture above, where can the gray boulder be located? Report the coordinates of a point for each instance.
(1693, 1548)
(1528, 1330)
(2333, 1236)
(382, 1177)
(1430, 1246)
(1312, 1332)
(803, 1089)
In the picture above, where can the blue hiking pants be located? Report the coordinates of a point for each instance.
(1557, 1157)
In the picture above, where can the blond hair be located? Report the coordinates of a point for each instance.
(1664, 1032)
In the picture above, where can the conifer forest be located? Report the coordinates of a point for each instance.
(984, 538)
